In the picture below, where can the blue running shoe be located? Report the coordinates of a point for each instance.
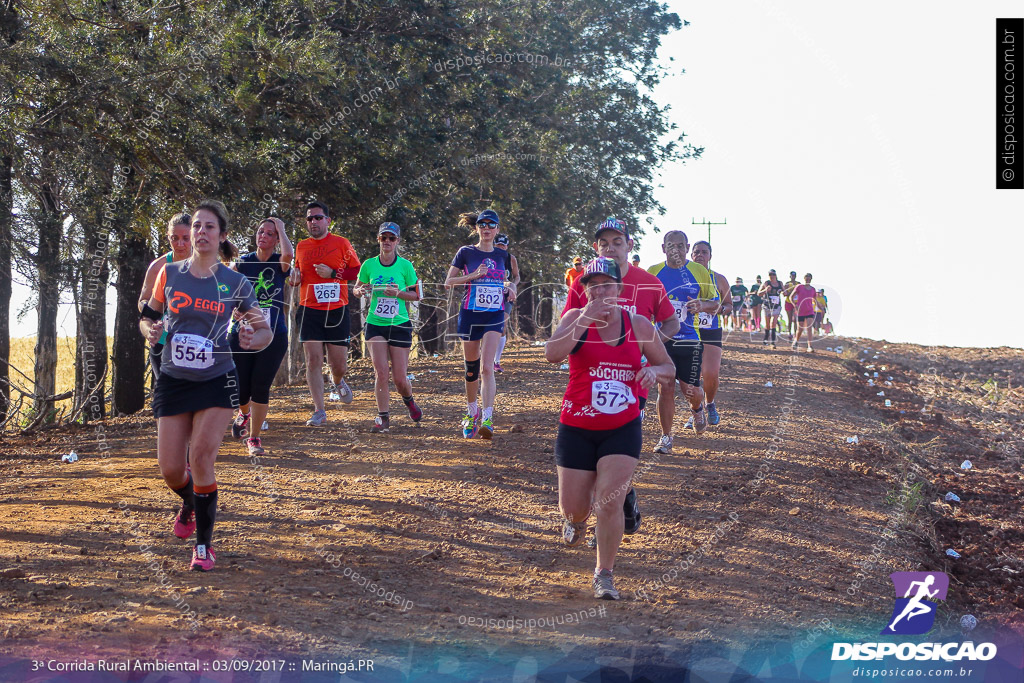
(713, 417)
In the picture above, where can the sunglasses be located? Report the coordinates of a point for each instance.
(310, 219)
(386, 237)
(487, 224)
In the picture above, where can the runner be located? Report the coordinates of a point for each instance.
(636, 260)
(754, 305)
(324, 265)
(642, 294)
(739, 293)
(179, 235)
(820, 309)
(802, 298)
(600, 433)
(501, 241)
(691, 291)
(391, 283)
(786, 291)
(484, 270)
(197, 388)
(266, 269)
(771, 292)
(711, 332)
(572, 273)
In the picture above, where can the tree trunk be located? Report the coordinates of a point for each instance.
(92, 328)
(6, 228)
(524, 309)
(48, 283)
(129, 354)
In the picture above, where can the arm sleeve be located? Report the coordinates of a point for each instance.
(158, 286)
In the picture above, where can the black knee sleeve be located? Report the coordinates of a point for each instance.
(472, 370)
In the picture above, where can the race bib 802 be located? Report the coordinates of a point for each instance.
(487, 298)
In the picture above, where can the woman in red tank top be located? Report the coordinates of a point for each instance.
(599, 433)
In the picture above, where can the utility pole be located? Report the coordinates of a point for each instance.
(703, 221)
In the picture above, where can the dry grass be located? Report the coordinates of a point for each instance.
(23, 357)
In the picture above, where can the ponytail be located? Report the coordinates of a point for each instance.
(468, 221)
(228, 251)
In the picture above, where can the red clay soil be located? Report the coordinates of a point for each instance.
(457, 532)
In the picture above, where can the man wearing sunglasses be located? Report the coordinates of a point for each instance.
(323, 265)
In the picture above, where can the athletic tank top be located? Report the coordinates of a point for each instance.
(603, 386)
(163, 336)
(774, 295)
(707, 320)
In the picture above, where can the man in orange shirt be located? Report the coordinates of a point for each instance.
(323, 265)
(572, 273)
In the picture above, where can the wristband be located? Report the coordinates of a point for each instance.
(150, 313)
(334, 274)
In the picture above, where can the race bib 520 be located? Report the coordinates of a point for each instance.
(610, 396)
(191, 351)
(386, 307)
(327, 292)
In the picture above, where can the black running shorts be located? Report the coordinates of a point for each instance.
(331, 327)
(580, 449)
(687, 357)
(399, 336)
(711, 337)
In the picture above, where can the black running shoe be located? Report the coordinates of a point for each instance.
(632, 512)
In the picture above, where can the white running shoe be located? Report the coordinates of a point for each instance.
(344, 391)
(665, 445)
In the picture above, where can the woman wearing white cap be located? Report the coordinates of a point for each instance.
(391, 283)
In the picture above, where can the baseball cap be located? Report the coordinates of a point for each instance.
(602, 266)
(739, 280)
(487, 215)
(389, 227)
(501, 239)
(772, 272)
(612, 223)
(577, 260)
(793, 273)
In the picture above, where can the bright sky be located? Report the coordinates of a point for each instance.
(855, 142)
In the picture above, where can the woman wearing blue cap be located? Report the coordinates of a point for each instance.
(485, 271)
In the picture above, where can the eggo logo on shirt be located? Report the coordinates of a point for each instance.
(182, 300)
(613, 373)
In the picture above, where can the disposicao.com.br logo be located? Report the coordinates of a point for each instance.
(917, 595)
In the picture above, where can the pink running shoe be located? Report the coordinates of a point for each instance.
(414, 411)
(184, 522)
(203, 558)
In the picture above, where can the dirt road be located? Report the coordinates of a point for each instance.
(769, 525)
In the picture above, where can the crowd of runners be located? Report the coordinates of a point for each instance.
(217, 329)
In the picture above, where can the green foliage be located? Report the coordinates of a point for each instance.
(412, 110)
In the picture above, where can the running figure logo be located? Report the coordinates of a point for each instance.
(914, 613)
